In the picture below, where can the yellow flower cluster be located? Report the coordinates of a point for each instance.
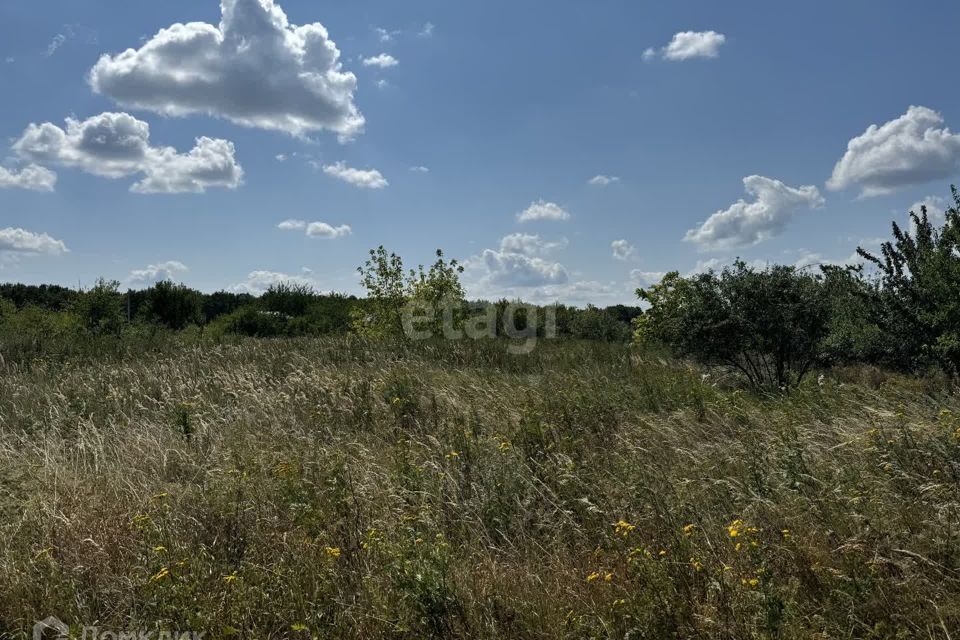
(623, 528)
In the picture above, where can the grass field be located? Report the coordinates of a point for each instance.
(332, 488)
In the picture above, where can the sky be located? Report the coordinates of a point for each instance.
(569, 151)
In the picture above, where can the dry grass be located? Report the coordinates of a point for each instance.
(332, 488)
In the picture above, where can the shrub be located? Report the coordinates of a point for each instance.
(765, 324)
(173, 305)
(100, 309)
(919, 292)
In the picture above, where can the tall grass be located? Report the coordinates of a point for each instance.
(336, 488)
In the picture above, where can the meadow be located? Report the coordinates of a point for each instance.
(335, 487)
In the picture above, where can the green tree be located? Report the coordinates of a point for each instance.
(439, 290)
(289, 298)
(766, 324)
(919, 291)
(101, 309)
(173, 305)
(381, 314)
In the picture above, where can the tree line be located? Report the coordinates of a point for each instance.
(900, 310)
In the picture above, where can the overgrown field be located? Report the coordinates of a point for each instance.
(333, 488)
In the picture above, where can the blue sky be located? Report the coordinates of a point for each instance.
(429, 123)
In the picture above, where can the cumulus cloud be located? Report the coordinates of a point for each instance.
(382, 61)
(622, 250)
(115, 145)
(602, 181)
(427, 30)
(910, 150)
(687, 45)
(20, 241)
(936, 211)
(520, 270)
(518, 263)
(529, 244)
(31, 177)
(258, 282)
(646, 277)
(748, 223)
(254, 69)
(420, 169)
(543, 210)
(153, 273)
(316, 229)
(365, 179)
(324, 230)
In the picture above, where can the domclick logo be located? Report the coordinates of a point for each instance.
(52, 628)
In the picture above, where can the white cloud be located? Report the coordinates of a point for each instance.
(31, 177)
(10, 60)
(383, 61)
(58, 41)
(647, 277)
(748, 223)
(517, 263)
(258, 282)
(519, 270)
(324, 230)
(602, 181)
(254, 69)
(116, 145)
(151, 274)
(280, 157)
(910, 150)
(687, 45)
(385, 34)
(427, 30)
(936, 209)
(365, 179)
(21, 241)
(382, 84)
(622, 250)
(316, 229)
(529, 244)
(542, 210)
(420, 169)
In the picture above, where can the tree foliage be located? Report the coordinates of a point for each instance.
(766, 324)
(918, 297)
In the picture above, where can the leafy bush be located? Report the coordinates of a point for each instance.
(918, 293)
(598, 324)
(101, 308)
(765, 324)
(173, 305)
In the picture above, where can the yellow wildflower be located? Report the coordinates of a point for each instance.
(333, 552)
(688, 529)
(624, 528)
(160, 575)
(593, 576)
(734, 528)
